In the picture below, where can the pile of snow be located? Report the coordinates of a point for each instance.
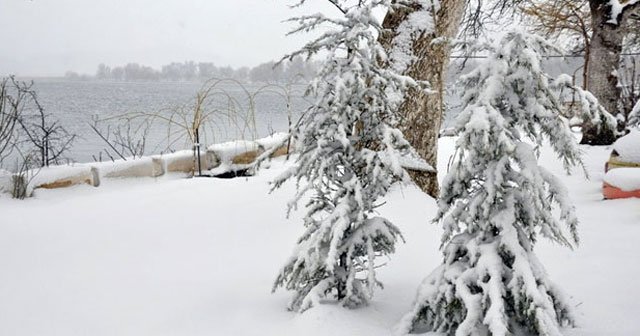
(628, 147)
(625, 179)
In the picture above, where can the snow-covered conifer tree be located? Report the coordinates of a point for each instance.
(350, 154)
(496, 201)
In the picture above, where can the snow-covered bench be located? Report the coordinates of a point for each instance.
(622, 178)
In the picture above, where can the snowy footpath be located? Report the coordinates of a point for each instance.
(171, 256)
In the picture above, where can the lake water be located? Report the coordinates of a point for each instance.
(247, 111)
(76, 103)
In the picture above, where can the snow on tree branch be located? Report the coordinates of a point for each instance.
(351, 153)
(617, 8)
(585, 103)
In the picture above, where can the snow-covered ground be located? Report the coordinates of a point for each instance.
(172, 256)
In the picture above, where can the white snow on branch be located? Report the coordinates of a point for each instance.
(617, 8)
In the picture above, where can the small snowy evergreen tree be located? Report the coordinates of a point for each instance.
(350, 155)
(496, 201)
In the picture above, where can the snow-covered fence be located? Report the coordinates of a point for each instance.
(229, 158)
(183, 161)
(236, 157)
(64, 176)
(279, 140)
(22, 184)
(142, 167)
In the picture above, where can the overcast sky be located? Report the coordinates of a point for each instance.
(49, 37)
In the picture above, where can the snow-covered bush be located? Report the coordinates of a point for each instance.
(496, 201)
(349, 156)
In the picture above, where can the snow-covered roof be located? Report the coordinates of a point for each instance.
(628, 147)
(626, 179)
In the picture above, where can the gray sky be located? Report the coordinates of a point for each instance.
(49, 37)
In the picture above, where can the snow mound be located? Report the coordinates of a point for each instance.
(628, 147)
(626, 179)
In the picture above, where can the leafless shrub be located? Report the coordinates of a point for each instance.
(124, 140)
(47, 137)
(215, 109)
(26, 168)
(11, 107)
(25, 124)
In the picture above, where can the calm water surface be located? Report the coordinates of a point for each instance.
(76, 103)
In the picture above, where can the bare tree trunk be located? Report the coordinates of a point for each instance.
(422, 113)
(604, 60)
(586, 66)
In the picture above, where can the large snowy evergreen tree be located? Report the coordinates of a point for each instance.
(350, 154)
(496, 201)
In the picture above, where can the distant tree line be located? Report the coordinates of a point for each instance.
(290, 71)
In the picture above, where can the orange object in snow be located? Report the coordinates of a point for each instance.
(611, 192)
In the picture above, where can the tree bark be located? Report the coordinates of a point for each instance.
(422, 113)
(604, 60)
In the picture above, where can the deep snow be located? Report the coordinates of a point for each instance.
(172, 256)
